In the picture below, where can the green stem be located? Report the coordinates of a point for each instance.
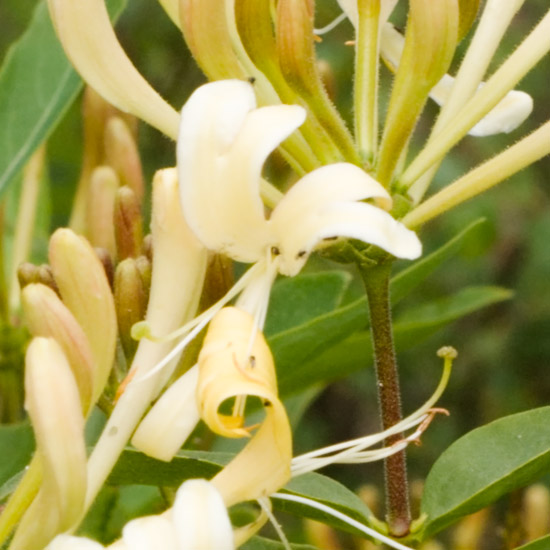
(21, 499)
(376, 281)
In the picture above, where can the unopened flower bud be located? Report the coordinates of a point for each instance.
(204, 24)
(45, 276)
(104, 184)
(128, 226)
(130, 302)
(85, 290)
(27, 273)
(122, 155)
(430, 42)
(54, 407)
(46, 315)
(107, 262)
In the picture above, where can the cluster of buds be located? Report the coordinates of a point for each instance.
(214, 203)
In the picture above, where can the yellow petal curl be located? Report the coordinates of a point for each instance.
(236, 361)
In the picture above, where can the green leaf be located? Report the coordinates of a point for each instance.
(539, 544)
(355, 352)
(261, 543)
(133, 467)
(408, 279)
(37, 85)
(326, 491)
(17, 444)
(420, 322)
(484, 465)
(297, 300)
(293, 347)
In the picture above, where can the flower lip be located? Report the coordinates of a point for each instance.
(224, 142)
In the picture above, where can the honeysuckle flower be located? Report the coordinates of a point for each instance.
(222, 147)
(179, 263)
(53, 404)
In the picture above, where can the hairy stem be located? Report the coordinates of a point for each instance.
(376, 280)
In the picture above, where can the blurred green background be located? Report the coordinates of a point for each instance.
(504, 351)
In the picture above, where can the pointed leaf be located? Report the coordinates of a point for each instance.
(409, 278)
(37, 85)
(539, 544)
(484, 465)
(346, 354)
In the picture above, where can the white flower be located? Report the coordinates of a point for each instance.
(223, 143)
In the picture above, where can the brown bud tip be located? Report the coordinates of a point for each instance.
(122, 154)
(27, 273)
(128, 224)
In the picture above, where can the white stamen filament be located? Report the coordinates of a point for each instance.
(346, 519)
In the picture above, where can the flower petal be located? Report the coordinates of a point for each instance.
(200, 518)
(222, 147)
(90, 42)
(346, 219)
(171, 420)
(335, 182)
(150, 533)
(236, 361)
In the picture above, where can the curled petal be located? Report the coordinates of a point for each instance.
(335, 182)
(236, 361)
(200, 518)
(90, 42)
(347, 219)
(222, 146)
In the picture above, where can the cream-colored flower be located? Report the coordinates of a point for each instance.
(223, 143)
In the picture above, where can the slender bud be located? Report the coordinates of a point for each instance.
(297, 59)
(54, 407)
(204, 24)
(130, 302)
(128, 225)
(86, 292)
(45, 276)
(430, 42)
(121, 153)
(104, 184)
(46, 315)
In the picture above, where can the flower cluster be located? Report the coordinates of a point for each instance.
(267, 93)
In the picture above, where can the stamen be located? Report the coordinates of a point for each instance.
(266, 507)
(193, 328)
(353, 451)
(332, 25)
(343, 517)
